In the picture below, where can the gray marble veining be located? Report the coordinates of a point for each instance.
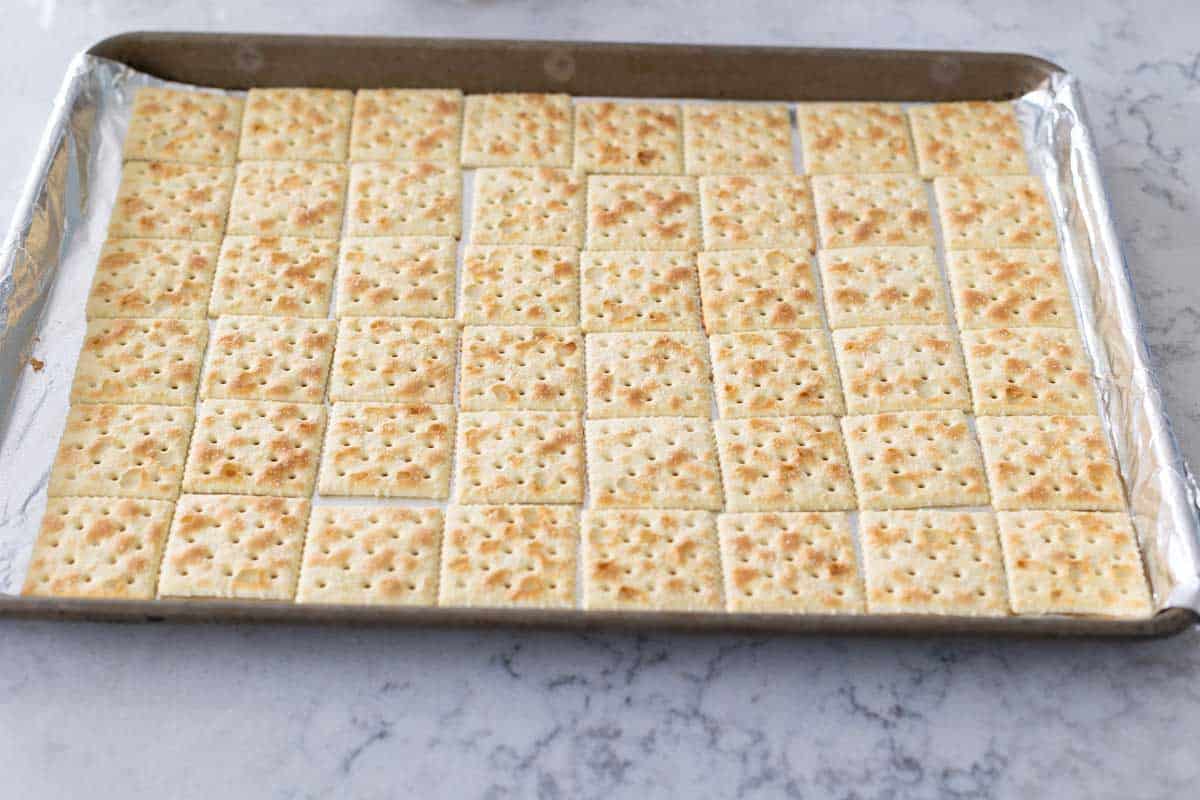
(175, 711)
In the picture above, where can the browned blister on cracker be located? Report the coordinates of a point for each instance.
(371, 555)
(642, 212)
(1009, 288)
(882, 286)
(519, 457)
(666, 462)
(187, 126)
(784, 464)
(971, 138)
(517, 129)
(790, 563)
(162, 200)
(255, 447)
(406, 125)
(140, 361)
(854, 138)
(1074, 562)
(509, 367)
(111, 450)
(628, 137)
(528, 206)
(286, 276)
(388, 450)
(234, 547)
(421, 198)
(631, 290)
(296, 124)
(288, 198)
(152, 279)
(872, 211)
(913, 459)
(1028, 371)
(269, 358)
(648, 374)
(933, 562)
(99, 547)
(994, 211)
(736, 139)
(775, 373)
(739, 212)
(1050, 462)
(509, 556)
(901, 368)
(651, 560)
(747, 290)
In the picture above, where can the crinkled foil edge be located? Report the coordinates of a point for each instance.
(47, 258)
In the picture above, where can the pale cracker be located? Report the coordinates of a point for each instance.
(388, 359)
(296, 124)
(509, 556)
(651, 560)
(368, 555)
(288, 198)
(739, 212)
(901, 368)
(666, 462)
(404, 199)
(784, 464)
(933, 562)
(648, 374)
(520, 285)
(872, 210)
(152, 278)
(628, 138)
(285, 276)
(1000, 211)
(631, 290)
(1009, 288)
(510, 367)
(99, 547)
(519, 457)
(402, 276)
(638, 212)
(234, 546)
(971, 138)
(914, 459)
(269, 358)
(122, 451)
(189, 126)
(406, 125)
(246, 447)
(517, 130)
(882, 286)
(528, 205)
(1028, 371)
(736, 139)
(385, 450)
(790, 563)
(160, 200)
(1050, 462)
(775, 373)
(747, 290)
(854, 138)
(140, 361)
(1073, 562)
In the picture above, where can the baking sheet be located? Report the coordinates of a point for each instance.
(47, 260)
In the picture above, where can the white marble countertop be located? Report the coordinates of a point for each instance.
(176, 711)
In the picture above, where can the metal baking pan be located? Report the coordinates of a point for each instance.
(52, 229)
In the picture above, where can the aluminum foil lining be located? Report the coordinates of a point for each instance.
(49, 255)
